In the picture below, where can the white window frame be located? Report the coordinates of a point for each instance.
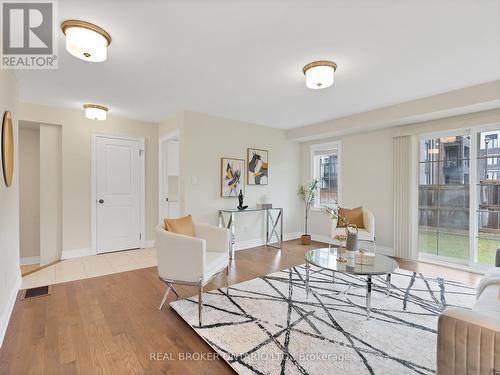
(472, 264)
(336, 145)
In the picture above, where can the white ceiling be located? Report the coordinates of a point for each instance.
(243, 59)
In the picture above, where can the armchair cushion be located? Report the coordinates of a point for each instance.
(180, 257)
(353, 216)
(215, 262)
(183, 225)
(217, 238)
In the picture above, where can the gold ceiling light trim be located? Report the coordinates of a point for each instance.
(89, 105)
(86, 25)
(319, 63)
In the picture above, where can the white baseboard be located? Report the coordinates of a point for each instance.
(76, 253)
(385, 250)
(320, 238)
(248, 244)
(4, 322)
(30, 260)
(147, 244)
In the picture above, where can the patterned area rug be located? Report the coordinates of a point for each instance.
(268, 326)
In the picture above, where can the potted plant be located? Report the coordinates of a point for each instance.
(335, 218)
(308, 193)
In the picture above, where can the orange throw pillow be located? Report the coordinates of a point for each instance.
(183, 225)
(353, 216)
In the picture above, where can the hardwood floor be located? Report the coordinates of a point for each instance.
(111, 324)
(29, 268)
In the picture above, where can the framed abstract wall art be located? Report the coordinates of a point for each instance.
(257, 166)
(232, 177)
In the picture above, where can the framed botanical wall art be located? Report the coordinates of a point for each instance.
(257, 166)
(232, 177)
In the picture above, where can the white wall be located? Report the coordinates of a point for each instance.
(367, 178)
(51, 223)
(29, 190)
(76, 166)
(10, 275)
(367, 169)
(208, 138)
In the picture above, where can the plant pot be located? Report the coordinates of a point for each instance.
(305, 239)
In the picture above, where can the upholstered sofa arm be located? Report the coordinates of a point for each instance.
(180, 257)
(468, 342)
(217, 238)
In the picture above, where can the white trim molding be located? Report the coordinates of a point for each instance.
(161, 186)
(11, 301)
(76, 253)
(30, 260)
(147, 244)
(248, 244)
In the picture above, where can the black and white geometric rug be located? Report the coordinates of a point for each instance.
(268, 326)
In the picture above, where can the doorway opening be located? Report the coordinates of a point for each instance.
(169, 177)
(40, 195)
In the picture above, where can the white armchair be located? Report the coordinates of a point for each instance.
(364, 234)
(192, 260)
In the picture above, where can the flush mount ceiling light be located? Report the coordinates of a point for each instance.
(95, 111)
(319, 74)
(85, 40)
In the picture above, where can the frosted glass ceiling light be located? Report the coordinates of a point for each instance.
(95, 111)
(319, 74)
(85, 40)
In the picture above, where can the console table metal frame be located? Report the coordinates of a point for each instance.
(269, 220)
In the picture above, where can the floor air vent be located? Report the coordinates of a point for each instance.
(36, 292)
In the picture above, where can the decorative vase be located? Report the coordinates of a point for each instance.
(305, 239)
(352, 243)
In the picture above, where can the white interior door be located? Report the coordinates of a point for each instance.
(170, 179)
(118, 194)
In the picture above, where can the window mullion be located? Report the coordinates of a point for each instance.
(473, 204)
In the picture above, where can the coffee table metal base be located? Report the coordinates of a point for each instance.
(369, 286)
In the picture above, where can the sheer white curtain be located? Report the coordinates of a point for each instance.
(405, 197)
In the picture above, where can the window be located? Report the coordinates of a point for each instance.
(459, 201)
(325, 167)
(490, 140)
(443, 198)
(487, 234)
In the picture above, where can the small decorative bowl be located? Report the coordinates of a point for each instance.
(340, 237)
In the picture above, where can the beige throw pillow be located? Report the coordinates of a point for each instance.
(183, 225)
(353, 216)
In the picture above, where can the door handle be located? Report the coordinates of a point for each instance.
(101, 201)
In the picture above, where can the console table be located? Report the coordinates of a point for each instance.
(274, 221)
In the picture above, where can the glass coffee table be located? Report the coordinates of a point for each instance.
(375, 264)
